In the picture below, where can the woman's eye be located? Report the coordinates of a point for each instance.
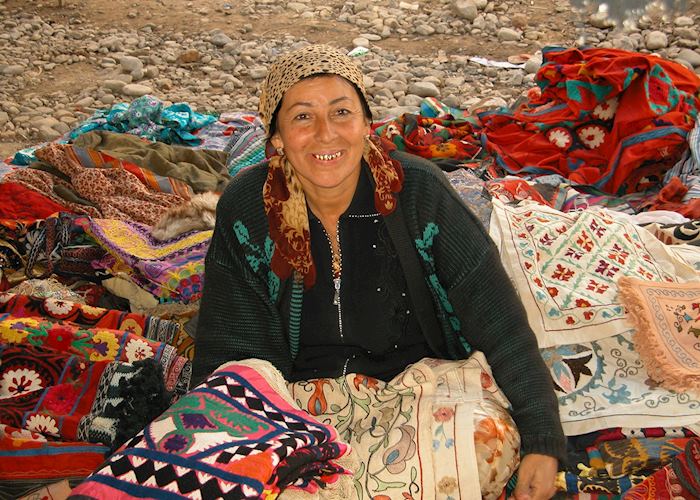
(343, 111)
(301, 116)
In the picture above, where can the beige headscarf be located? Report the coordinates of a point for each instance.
(283, 195)
(293, 67)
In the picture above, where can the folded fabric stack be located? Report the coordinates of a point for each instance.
(73, 377)
(233, 436)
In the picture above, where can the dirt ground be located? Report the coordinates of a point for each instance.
(187, 17)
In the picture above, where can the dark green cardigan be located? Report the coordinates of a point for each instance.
(247, 312)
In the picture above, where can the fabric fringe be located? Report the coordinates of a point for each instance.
(648, 345)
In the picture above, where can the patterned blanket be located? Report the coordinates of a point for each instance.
(233, 436)
(70, 391)
(171, 270)
(566, 268)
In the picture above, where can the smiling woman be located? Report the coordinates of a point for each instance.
(346, 263)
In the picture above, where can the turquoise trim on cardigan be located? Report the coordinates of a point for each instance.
(424, 247)
(295, 316)
(257, 257)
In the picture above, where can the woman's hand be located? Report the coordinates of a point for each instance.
(536, 476)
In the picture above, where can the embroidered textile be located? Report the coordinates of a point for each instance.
(676, 234)
(171, 271)
(116, 192)
(18, 202)
(64, 309)
(566, 267)
(606, 117)
(285, 206)
(246, 146)
(667, 321)
(472, 191)
(147, 117)
(232, 436)
(433, 136)
(28, 460)
(94, 344)
(428, 433)
(679, 479)
(638, 455)
(604, 383)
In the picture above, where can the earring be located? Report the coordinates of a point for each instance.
(280, 151)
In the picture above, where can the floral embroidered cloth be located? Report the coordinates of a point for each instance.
(667, 321)
(605, 117)
(428, 433)
(565, 267)
(58, 310)
(76, 380)
(235, 435)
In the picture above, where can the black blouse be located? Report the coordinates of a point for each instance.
(380, 335)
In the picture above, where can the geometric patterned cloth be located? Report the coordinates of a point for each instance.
(233, 436)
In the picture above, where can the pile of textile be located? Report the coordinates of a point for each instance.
(589, 185)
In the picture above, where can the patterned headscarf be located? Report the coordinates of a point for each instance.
(283, 195)
(293, 67)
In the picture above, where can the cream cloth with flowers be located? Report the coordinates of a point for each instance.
(437, 430)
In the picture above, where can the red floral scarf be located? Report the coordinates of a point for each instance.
(285, 206)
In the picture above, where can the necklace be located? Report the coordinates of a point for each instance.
(336, 263)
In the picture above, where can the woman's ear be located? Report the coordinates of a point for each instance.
(276, 141)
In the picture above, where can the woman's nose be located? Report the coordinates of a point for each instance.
(324, 129)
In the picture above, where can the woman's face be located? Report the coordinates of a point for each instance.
(322, 127)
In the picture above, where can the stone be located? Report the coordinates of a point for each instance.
(220, 39)
(684, 21)
(424, 89)
(360, 41)
(4, 118)
(508, 35)
(48, 133)
(130, 64)
(114, 85)
(85, 102)
(465, 9)
(13, 70)
(136, 90)
(189, 56)
(656, 40)
(258, 72)
(690, 56)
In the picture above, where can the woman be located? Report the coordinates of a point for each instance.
(338, 256)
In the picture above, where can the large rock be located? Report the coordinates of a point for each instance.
(130, 64)
(508, 35)
(424, 89)
(656, 40)
(690, 56)
(465, 9)
(136, 90)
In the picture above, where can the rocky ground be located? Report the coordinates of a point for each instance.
(60, 60)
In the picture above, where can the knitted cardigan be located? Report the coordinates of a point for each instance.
(248, 312)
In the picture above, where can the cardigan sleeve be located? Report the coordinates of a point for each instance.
(237, 318)
(491, 316)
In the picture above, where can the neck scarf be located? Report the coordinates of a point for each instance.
(285, 206)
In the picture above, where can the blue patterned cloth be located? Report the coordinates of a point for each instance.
(146, 117)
